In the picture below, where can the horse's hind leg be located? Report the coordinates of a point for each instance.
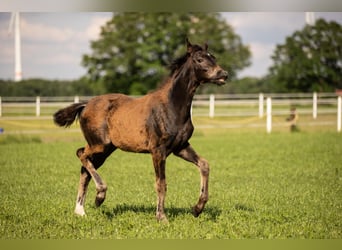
(85, 178)
(92, 158)
(190, 155)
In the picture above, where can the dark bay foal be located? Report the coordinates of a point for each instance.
(158, 123)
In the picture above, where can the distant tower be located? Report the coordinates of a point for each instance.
(15, 25)
(310, 18)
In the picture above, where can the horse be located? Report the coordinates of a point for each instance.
(158, 123)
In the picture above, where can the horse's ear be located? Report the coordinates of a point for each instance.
(188, 45)
(206, 46)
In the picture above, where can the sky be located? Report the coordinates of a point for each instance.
(53, 43)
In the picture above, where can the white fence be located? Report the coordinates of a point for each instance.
(273, 104)
(220, 105)
(309, 102)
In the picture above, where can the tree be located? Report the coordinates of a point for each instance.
(310, 59)
(134, 49)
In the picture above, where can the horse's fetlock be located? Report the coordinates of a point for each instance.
(101, 188)
(204, 198)
(100, 196)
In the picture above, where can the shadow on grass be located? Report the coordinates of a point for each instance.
(211, 212)
(243, 207)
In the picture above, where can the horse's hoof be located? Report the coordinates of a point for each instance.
(100, 196)
(80, 214)
(99, 200)
(195, 211)
(163, 221)
(79, 210)
(162, 218)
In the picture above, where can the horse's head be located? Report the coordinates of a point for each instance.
(204, 63)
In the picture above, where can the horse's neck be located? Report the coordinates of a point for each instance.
(181, 92)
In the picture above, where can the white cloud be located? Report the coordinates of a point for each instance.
(40, 32)
(260, 61)
(6, 53)
(261, 32)
(6, 43)
(261, 50)
(258, 21)
(46, 54)
(94, 28)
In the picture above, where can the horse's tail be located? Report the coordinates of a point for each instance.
(66, 116)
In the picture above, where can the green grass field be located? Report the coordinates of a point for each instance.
(282, 185)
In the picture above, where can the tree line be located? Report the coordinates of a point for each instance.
(45, 87)
(81, 87)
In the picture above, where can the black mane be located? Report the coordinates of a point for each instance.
(178, 62)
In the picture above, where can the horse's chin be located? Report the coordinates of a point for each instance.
(219, 82)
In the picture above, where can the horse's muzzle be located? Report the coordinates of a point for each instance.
(221, 77)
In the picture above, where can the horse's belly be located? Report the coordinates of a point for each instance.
(131, 143)
(129, 134)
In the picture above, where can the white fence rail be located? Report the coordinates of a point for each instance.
(219, 105)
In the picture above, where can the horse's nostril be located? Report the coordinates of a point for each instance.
(222, 73)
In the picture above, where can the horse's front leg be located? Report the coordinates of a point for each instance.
(97, 156)
(190, 155)
(160, 184)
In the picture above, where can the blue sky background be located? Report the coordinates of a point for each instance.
(53, 43)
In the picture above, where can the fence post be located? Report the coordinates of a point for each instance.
(314, 105)
(269, 115)
(211, 106)
(76, 99)
(261, 105)
(38, 106)
(339, 113)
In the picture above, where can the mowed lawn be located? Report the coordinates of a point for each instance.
(280, 185)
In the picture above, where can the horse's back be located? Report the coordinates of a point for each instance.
(103, 103)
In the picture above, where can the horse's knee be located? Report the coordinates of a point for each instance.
(79, 152)
(87, 156)
(161, 187)
(95, 154)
